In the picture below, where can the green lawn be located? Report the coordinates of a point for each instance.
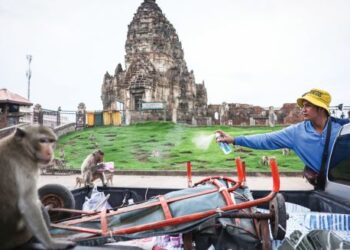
(168, 146)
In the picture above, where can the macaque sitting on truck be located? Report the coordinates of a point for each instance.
(21, 218)
(90, 166)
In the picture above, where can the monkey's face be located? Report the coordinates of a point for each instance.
(45, 154)
(38, 142)
(98, 156)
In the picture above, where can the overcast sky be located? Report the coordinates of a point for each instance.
(246, 51)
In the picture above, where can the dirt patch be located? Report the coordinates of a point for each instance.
(76, 137)
(70, 142)
(186, 152)
(152, 140)
(201, 161)
(243, 150)
(141, 156)
(110, 135)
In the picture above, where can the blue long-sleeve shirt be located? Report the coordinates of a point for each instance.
(302, 138)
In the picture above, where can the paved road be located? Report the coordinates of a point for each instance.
(254, 183)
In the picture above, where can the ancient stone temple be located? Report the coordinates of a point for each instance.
(155, 83)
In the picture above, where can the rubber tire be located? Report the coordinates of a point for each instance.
(278, 223)
(58, 196)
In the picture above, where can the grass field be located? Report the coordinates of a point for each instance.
(168, 146)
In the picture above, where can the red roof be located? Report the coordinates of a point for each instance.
(7, 96)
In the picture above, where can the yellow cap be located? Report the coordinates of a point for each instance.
(317, 97)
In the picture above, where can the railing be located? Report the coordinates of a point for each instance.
(8, 130)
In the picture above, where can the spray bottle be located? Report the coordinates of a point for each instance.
(225, 147)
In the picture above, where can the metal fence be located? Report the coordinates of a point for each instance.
(54, 118)
(81, 118)
(51, 118)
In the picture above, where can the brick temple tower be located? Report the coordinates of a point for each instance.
(155, 73)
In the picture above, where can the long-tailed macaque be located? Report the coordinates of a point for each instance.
(108, 177)
(264, 160)
(22, 153)
(79, 181)
(90, 166)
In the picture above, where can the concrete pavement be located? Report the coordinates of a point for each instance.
(254, 183)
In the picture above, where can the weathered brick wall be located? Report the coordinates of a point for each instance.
(290, 113)
(235, 114)
(148, 115)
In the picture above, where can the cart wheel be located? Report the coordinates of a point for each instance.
(56, 196)
(278, 222)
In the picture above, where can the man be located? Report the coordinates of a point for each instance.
(307, 139)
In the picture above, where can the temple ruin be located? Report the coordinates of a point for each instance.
(156, 83)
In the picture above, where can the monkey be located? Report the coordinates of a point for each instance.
(22, 154)
(285, 151)
(78, 181)
(99, 173)
(109, 177)
(62, 155)
(264, 160)
(90, 166)
(58, 163)
(92, 137)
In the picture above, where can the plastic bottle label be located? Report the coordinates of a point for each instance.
(225, 147)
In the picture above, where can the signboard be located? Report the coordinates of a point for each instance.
(152, 105)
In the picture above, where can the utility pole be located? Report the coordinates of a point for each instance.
(29, 74)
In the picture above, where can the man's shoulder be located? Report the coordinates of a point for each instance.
(298, 125)
(340, 121)
(303, 125)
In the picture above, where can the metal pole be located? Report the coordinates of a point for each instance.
(29, 73)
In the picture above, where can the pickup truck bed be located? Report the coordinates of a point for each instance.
(315, 200)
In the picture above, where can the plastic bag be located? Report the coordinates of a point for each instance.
(97, 201)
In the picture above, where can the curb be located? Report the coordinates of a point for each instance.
(203, 173)
(178, 173)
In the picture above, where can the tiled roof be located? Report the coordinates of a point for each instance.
(7, 96)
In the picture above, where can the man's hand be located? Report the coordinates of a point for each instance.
(224, 137)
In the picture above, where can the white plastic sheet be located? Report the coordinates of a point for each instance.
(98, 201)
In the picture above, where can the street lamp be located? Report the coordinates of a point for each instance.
(29, 74)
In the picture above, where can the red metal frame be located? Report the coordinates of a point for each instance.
(189, 174)
(169, 219)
